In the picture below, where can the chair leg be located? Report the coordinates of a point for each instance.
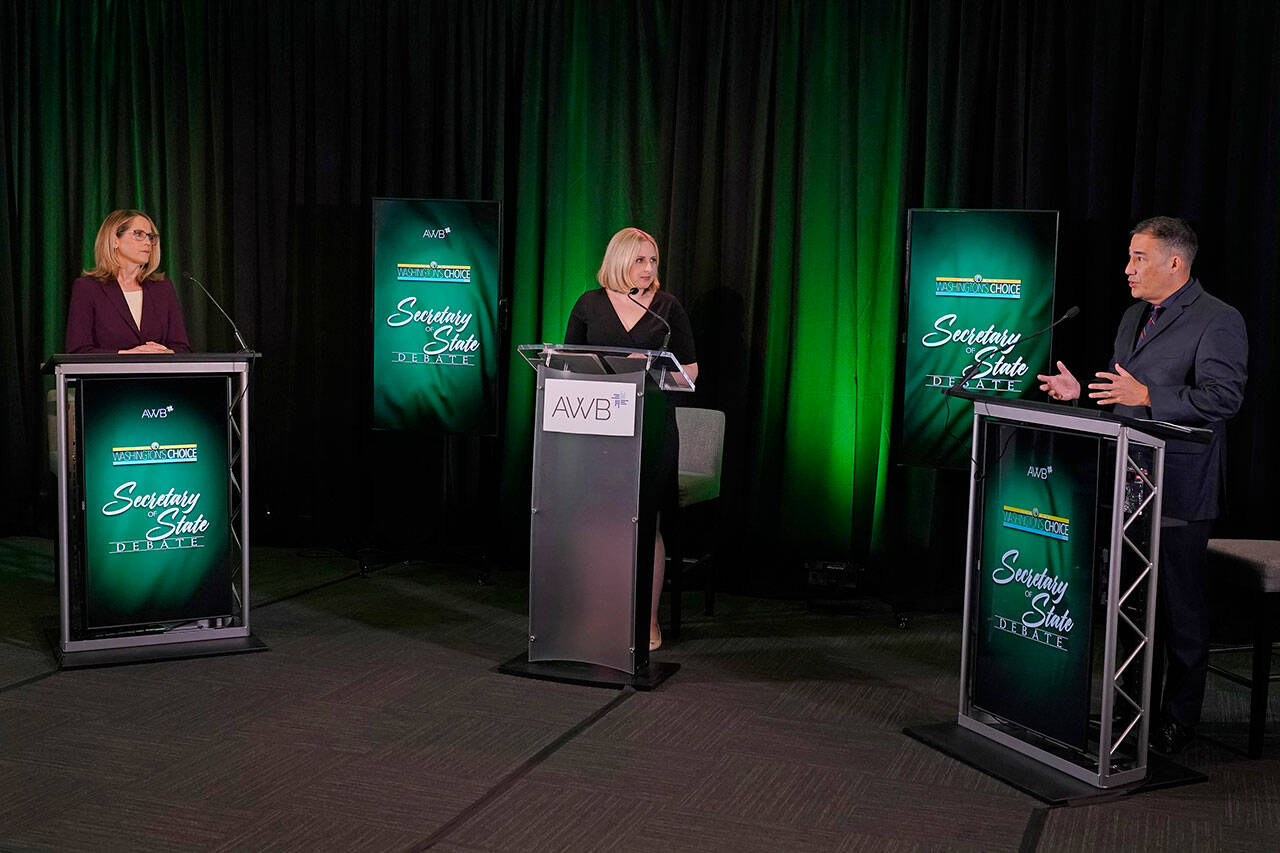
(1264, 617)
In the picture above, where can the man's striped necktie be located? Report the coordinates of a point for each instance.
(1151, 321)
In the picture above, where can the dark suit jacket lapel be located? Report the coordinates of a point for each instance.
(1124, 338)
(1169, 316)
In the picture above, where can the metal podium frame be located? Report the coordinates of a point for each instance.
(575, 562)
(1124, 720)
(214, 633)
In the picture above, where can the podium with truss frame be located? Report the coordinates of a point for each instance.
(154, 594)
(1070, 724)
(1113, 719)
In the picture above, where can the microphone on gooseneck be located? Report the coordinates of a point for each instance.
(240, 340)
(666, 340)
(1067, 315)
(973, 368)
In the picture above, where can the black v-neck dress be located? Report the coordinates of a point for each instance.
(594, 322)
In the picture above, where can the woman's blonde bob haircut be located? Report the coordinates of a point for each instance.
(621, 252)
(106, 261)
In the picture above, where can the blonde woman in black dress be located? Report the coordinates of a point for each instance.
(607, 316)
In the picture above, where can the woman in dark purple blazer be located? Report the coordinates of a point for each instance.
(123, 305)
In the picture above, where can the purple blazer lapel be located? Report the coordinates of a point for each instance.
(152, 312)
(115, 296)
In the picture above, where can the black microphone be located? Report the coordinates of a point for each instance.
(973, 368)
(631, 296)
(243, 346)
(1070, 312)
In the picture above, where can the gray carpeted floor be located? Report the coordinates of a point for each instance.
(376, 722)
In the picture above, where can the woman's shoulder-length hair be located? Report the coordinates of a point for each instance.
(622, 250)
(106, 263)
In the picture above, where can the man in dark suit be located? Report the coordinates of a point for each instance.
(1179, 356)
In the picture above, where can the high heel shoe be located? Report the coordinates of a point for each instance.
(655, 644)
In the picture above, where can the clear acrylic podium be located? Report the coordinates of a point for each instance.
(152, 542)
(1060, 589)
(598, 425)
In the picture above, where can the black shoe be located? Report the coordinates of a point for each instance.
(1170, 737)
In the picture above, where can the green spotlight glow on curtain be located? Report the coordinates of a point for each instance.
(818, 424)
(587, 152)
(830, 347)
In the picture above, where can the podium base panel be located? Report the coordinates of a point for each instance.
(588, 674)
(1031, 777)
(159, 652)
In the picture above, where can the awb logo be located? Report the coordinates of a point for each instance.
(162, 412)
(589, 407)
(436, 233)
(1040, 473)
(596, 408)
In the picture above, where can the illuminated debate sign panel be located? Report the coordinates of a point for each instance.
(1035, 594)
(978, 282)
(156, 498)
(436, 278)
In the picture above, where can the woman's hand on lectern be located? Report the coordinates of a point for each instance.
(149, 346)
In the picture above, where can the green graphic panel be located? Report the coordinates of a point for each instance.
(979, 281)
(435, 315)
(157, 536)
(1035, 589)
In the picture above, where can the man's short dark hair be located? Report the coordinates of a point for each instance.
(1173, 232)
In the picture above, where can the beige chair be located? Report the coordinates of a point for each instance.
(701, 457)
